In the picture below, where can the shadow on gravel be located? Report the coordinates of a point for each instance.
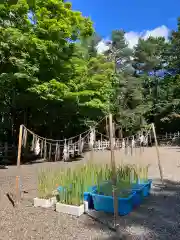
(3, 167)
(157, 218)
(175, 147)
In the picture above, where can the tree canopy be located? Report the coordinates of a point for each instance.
(53, 80)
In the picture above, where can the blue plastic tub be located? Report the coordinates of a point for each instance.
(142, 190)
(60, 189)
(106, 203)
(88, 197)
(92, 188)
(138, 197)
(147, 188)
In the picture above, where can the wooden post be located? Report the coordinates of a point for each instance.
(65, 150)
(132, 142)
(127, 146)
(41, 153)
(50, 149)
(140, 150)
(107, 130)
(125, 150)
(45, 150)
(158, 155)
(80, 144)
(19, 146)
(92, 154)
(101, 144)
(18, 190)
(92, 142)
(113, 166)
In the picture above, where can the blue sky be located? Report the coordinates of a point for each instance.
(131, 15)
(136, 17)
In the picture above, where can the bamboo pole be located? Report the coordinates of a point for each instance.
(132, 146)
(92, 149)
(50, 149)
(45, 150)
(158, 155)
(140, 150)
(41, 153)
(125, 150)
(18, 190)
(80, 144)
(127, 146)
(19, 146)
(56, 152)
(92, 153)
(113, 166)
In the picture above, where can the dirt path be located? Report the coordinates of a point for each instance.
(155, 219)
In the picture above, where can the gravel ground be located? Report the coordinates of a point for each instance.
(157, 218)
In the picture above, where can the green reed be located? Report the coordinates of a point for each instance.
(77, 180)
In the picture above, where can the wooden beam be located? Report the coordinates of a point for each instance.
(18, 190)
(158, 155)
(113, 166)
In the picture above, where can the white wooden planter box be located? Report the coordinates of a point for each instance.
(71, 209)
(45, 203)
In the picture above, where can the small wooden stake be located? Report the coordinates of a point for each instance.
(18, 190)
(113, 166)
(158, 155)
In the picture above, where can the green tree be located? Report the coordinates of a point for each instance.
(127, 98)
(150, 57)
(175, 49)
(90, 44)
(36, 59)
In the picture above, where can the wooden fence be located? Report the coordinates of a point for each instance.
(166, 139)
(102, 145)
(169, 136)
(7, 152)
